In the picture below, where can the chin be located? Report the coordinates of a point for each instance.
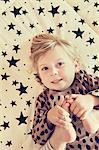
(59, 89)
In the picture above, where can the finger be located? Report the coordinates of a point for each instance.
(68, 96)
(80, 113)
(58, 124)
(64, 102)
(62, 122)
(60, 102)
(66, 106)
(67, 126)
(65, 118)
(62, 111)
(70, 100)
(66, 113)
(63, 125)
(72, 107)
(84, 115)
(76, 110)
(74, 95)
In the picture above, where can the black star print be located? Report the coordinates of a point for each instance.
(40, 10)
(95, 57)
(4, 13)
(31, 26)
(5, 76)
(11, 26)
(22, 89)
(5, 125)
(95, 23)
(95, 68)
(25, 12)
(82, 21)
(91, 41)
(13, 103)
(54, 10)
(16, 48)
(78, 33)
(76, 8)
(4, 53)
(64, 12)
(19, 32)
(60, 25)
(15, 83)
(86, 0)
(22, 119)
(96, 4)
(50, 30)
(30, 132)
(9, 143)
(39, 0)
(13, 62)
(28, 103)
(6, 1)
(16, 11)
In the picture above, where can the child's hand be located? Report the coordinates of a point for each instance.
(67, 102)
(82, 104)
(63, 103)
(58, 116)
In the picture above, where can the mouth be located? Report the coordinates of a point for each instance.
(56, 81)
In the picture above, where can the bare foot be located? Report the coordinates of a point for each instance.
(68, 133)
(91, 122)
(62, 136)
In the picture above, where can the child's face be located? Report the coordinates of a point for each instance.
(56, 69)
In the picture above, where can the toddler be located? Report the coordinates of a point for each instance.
(65, 112)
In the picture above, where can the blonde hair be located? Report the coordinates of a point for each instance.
(44, 42)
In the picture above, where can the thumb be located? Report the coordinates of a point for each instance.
(74, 96)
(61, 100)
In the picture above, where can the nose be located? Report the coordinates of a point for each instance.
(54, 71)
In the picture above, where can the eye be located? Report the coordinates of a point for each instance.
(44, 68)
(60, 64)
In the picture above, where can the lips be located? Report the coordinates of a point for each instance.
(56, 81)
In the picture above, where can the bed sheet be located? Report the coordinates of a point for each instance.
(75, 21)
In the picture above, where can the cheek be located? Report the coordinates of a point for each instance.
(44, 77)
(68, 73)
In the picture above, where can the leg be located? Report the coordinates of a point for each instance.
(46, 146)
(91, 122)
(59, 139)
(55, 142)
(61, 136)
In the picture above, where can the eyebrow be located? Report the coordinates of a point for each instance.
(43, 65)
(46, 64)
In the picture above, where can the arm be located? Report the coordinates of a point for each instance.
(90, 100)
(42, 129)
(95, 96)
(92, 85)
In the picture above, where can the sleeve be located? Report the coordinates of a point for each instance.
(42, 129)
(92, 86)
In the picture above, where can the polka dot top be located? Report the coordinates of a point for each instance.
(43, 129)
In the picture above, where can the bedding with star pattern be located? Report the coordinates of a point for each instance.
(20, 20)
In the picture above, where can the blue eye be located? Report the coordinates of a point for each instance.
(45, 68)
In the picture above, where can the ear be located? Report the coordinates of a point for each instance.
(77, 64)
